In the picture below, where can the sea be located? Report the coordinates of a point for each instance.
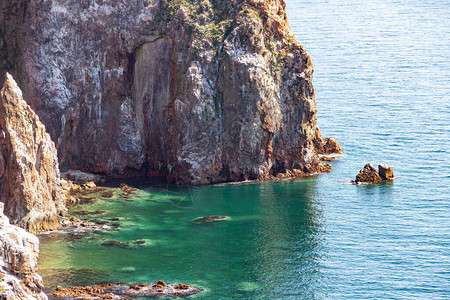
(382, 70)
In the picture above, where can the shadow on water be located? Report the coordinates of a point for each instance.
(271, 246)
(384, 190)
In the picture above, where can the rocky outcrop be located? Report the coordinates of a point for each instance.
(30, 184)
(193, 91)
(370, 175)
(18, 259)
(326, 145)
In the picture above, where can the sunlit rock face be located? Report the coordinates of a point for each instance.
(30, 186)
(18, 263)
(194, 91)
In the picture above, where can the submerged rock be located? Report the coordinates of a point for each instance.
(89, 212)
(77, 227)
(107, 194)
(30, 183)
(210, 219)
(125, 291)
(115, 243)
(191, 91)
(18, 263)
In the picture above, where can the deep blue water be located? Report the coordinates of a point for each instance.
(382, 72)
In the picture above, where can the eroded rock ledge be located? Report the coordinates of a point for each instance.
(192, 91)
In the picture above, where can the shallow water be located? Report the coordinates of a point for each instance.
(382, 88)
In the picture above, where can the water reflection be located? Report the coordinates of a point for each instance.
(289, 240)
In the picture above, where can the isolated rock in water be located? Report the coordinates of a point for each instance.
(30, 183)
(115, 243)
(386, 172)
(192, 91)
(18, 260)
(368, 174)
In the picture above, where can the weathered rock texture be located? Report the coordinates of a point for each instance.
(194, 91)
(18, 259)
(368, 174)
(386, 172)
(30, 184)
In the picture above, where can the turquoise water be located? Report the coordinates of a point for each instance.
(382, 72)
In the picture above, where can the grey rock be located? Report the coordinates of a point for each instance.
(197, 92)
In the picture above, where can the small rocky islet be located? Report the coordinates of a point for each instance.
(370, 175)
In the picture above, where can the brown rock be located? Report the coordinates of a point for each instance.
(326, 145)
(127, 189)
(331, 146)
(160, 284)
(368, 174)
(386, 172)
(30, 183)
(89, 185)
(181, 286)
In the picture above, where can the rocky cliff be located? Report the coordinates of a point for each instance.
(30, 185)
(18, 260)
(196, 91)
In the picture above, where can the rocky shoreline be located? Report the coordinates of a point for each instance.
(194, 92)
(32, 207)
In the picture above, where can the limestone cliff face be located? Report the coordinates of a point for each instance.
(195, 91)
(30, 185)
(18, 263)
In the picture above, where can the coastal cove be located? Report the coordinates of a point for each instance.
(381, 82)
